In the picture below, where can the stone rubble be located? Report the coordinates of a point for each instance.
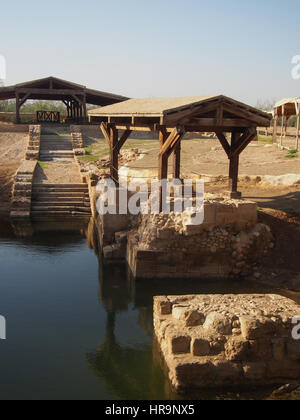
(218, 340)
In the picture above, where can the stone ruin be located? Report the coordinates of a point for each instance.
(227, 340)
(230, 241)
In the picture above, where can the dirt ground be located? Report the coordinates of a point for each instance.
(12, 151)
(57, 173)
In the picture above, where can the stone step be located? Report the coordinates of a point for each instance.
(54, 137)
(55, 152)
(53, 157)
(62, 187)
(65, 160)
(57, 210)
(61, 145)
(44, 150)
(50, 204)
(60, 197)
(39, 213)
(60, 192)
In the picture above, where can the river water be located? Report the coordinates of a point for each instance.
(78, 329)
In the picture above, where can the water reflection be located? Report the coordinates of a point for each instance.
(57, 280)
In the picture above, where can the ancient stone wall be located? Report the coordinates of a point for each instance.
(77, 138)
(22, 188)
(228, 242)
(225, 340)
(34, 143)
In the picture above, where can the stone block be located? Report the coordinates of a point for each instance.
(237, 349)
(200, 347)
(180, 344)
(217, 323)
(163, 306)
(253, 328)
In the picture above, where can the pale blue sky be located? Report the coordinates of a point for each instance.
(148, 48)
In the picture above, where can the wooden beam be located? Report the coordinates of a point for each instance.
(226, 123)
(297, 133)
(106, 134)
(51, 92)
(234, 168)
(123, 139)
(114, 154)
(172, 139)
(189, 112)
(241, 143)
(219, 115)
(18, 120)
(223, 140)
(246, 115)
(162, 164)
(177, 161)
(275, 122)
(132, 127)
(24, 99)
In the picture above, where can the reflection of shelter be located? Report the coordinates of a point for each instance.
(285, 109)
(172, 118)
(75, 97)
(128, 371)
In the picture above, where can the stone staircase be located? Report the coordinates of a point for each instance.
(51, 201)
(60, 200)
(54, 147)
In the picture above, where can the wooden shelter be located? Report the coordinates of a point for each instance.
(286, 108)
(172, 118)
(74, 96)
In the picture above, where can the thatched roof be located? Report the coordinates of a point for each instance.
(149, 106)
(53, 88)
(177, 110)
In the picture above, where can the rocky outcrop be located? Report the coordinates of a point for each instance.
(218, 340)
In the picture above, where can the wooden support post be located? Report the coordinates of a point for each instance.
(162, 164)
(18, 120)
(177, 161)
(297, 133)
(234, 168)
(275, 128)
(85, 114)
(114, 154)
(282, 125)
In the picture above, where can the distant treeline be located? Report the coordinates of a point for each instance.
(268, 105)
(31, 107)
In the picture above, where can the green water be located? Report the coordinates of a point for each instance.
(79, 330)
